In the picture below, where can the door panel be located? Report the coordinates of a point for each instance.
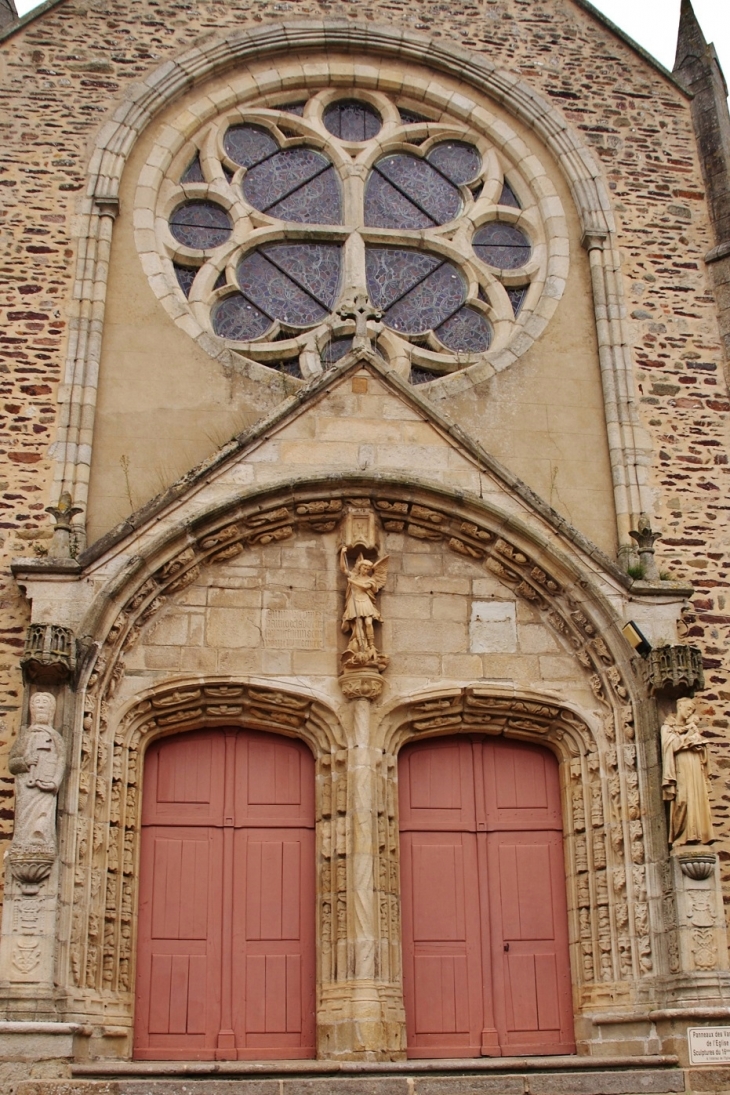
(521, 786)
(179, 955)
(485, 948)
(273, 941)
(274, 781)
(437, 787)
(226, 937)
(183, 781)
(441, 980)
(530, 942)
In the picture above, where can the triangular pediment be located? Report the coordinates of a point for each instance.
(358, 423)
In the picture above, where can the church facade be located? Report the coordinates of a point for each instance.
(365, 625)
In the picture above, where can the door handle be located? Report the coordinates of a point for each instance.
(506, 946)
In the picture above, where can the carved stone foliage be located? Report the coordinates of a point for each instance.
(332, 816)
(602, 815)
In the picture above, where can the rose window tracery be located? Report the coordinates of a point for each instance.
(275, 214)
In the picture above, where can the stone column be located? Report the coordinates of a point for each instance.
(362, 1015)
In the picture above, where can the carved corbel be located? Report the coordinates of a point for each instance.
(49, 656)
(674, 671)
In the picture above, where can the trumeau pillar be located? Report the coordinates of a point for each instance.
(362, 1013)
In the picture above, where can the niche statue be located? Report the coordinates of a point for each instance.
(684, 777)
(38, 762)
(364, 581)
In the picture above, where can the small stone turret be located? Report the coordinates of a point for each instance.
(8, 13)
(697, 66)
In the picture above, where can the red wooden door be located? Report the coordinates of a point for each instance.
(225, 965)
(485, 942)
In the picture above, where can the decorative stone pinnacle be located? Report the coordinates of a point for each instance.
(645, 539)
(360, 308)
(63, 514)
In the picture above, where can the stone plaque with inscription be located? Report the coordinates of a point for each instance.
(293, 629)
(493, 627)
(709, 1045)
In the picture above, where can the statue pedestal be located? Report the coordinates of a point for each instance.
(701, 930)
(28, 942)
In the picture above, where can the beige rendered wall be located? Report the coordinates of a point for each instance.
(164, 404)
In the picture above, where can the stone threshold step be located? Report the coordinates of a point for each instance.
(282, 1069)
(619, 1081)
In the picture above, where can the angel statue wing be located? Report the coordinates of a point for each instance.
(380, 572)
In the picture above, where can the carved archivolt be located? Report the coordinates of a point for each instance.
(606, 851)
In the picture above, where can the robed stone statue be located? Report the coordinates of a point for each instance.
(38, 762)
(685, 777)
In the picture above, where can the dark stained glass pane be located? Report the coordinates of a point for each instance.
(432, 199)
(185, 277)
(313, 266)
(335, 350)
(429, 303)
(317, 202)
(248, 144)
(410, 116)
(502, 245)
(420, 376)
(296, 184)
(352, 121)
(289, 368)
(458, 161)
(391, 272)
(200, 224)
(508, 197)
(294, 283)
(220, 281)
(517, 296)
(238, 319)
(193, 172)
(386, 207)
(466, 332)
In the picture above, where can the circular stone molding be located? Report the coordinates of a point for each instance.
(432, 206)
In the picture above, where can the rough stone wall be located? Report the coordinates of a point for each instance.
(61, 75)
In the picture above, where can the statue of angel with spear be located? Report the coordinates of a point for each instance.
(364, 582)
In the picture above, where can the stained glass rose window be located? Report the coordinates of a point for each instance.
(275, 215)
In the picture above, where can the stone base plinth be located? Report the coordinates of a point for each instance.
(361, 1021)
